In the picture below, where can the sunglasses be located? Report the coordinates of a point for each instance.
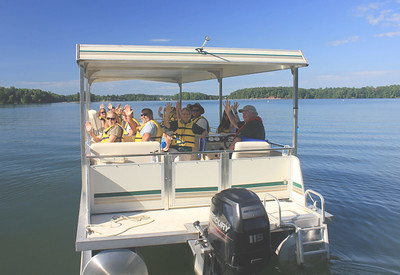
(195, 110)
(144, 114)
(111, 118)
(103, 113)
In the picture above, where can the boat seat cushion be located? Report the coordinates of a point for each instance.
(125, 148)
(251, 145)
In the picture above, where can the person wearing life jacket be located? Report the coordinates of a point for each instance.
(167, 134)
(197, 116)
(130, 124)
(113, 133)
(251, 127)
(102, 116)
(150, 130)
(184, 131)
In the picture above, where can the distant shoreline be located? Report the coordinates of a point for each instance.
(14, 95)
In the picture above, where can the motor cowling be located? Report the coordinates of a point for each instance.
(239, 232)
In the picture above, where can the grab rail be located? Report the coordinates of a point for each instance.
(279, 207)
(192, 152)
(315, 202)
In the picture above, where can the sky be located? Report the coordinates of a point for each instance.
(347, 43)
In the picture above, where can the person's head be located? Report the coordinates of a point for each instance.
(225, 122)
(186, 114)
(197, 110)
(146, 115)
(124, 116)
(112, 118)
(102, 113)
(172, 114)
(249, 112)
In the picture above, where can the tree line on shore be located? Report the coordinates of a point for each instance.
(14, 95)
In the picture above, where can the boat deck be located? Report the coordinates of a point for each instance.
(157, 227)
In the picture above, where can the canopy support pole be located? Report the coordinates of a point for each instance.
(82, 111)
(180, 92)
(220, 99)
(295, 74)
(219, 74)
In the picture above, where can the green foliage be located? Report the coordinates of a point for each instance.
(392, 91)
(13, 95)
(194, 96)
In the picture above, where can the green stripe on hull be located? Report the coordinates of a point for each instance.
(197, 189)
(295, 184)
(126, 194)
(263, 184)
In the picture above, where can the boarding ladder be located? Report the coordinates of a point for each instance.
(312, 241)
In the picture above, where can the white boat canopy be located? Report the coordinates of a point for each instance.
(99, 63)
(179, 64)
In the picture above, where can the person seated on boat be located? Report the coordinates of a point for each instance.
(167, 134)
(184, 131)
(197, 116)
(113, 133)
(130, 124)
(150, 130)
(119, 112)
(226, 126)
(251, 127)
(102, 116)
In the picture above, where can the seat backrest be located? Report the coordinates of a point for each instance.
(125, 148)
(251, 145)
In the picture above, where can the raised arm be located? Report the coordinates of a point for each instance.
(129, 115)
(90, 132)
(236, 115)
(227, 106)
(167, 110)
(178, 110)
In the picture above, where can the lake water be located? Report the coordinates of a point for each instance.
(349, 151)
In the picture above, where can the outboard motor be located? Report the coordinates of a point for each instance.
(238, 233)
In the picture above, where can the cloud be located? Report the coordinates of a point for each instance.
(355, 76)
(368, 73)
(352, 79)
(50, 84)
(345, 41)
(388, 34)
(384, 14)
(160, 40)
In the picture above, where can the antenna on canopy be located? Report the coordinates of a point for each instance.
(200, 50)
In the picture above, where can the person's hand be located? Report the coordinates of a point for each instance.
(178, 105)
(118, 106)
(128, 111)
(227, 106)
(118, 111)
(168, 108)
(101, 106)
(235, 107)
(110, 107)
(88, 127)
(160, 109)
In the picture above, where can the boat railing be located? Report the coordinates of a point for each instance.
(97, 156)
(279, 219)
(307, 195)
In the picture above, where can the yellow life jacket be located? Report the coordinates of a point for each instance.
(106, 136)
(127, 137)
(223, 131)
(208, 125)
(158, 136)
(184, 135)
